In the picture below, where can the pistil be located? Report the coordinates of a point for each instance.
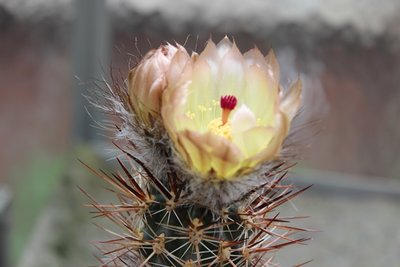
(227, 103)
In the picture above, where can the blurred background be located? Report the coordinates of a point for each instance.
(346, 52)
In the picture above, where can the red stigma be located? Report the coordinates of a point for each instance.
(228, 102)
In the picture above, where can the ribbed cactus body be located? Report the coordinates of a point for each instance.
(189, 234)
(163, 229)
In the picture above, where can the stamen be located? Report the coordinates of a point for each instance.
(227, 103)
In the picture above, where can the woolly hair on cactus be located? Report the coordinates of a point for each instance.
(203, 144)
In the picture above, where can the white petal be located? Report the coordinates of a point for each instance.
(242, 120)
(273, 66)
(179, 67)
(154, 94)
(224, 46)
(231, 74)
(255, 57)
(210, 55)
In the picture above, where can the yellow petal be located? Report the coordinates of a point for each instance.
(271, 151)
(224, 170)
(197, 157)
(261, 94)
(257, 139)
(201, 93)
(211, 154)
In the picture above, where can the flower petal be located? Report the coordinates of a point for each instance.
(211, 153)
(273, 66)
(261, 95)
(173, 108)
(146, 82)
(154, 93)
(271, 151)
(291, 101)
(257, 139)
(180, 67)
(203, 80)
(255, 57)
(231, 73)
(197, 158)
(224, 46)
(242, 120)
(210, 55)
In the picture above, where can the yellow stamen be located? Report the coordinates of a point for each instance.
(223, 130)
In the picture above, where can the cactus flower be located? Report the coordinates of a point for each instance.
(226, 112)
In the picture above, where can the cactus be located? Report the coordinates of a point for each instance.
(178, 204)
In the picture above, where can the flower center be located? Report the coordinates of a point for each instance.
(221, 125)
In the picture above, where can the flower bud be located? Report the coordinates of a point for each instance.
(147, 81)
